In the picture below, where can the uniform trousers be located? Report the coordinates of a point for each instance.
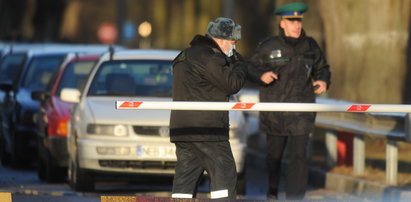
(297, 171)
(193, 158)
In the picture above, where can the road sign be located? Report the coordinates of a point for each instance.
(107, 33)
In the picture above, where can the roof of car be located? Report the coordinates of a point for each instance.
(161, 54)
(39, 49)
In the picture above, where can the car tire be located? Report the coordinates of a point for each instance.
(46, 171)
(53, 173)
(16, 160)
(41, 172)
(4, 155)
(78, 180)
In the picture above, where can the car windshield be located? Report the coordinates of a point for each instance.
(75, 75)
(39, 72)
(144, 78)
(9, 66)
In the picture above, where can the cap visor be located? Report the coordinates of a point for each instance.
(292, 17)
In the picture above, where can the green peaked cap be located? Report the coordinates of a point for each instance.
(292, 10)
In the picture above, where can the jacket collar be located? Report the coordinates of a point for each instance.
(289, 40)
(205, 40)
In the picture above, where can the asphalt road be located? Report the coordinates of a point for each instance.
(25, 186)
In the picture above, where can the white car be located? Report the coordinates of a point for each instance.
(105, 140)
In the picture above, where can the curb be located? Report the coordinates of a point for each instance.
(365, 188)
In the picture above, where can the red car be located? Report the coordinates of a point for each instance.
(53, 116)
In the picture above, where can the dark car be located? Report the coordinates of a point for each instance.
(53, 115)
(12, 57)
(17, 135)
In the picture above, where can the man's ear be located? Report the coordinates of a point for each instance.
(282, 25)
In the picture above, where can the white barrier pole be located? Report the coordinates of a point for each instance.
(331, 145)
(391, 171)
(298, 107)
(359, 155)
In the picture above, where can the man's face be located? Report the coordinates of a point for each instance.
(226, 45)
(292, 28)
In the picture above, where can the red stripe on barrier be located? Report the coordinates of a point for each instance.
(358, 108)
(130, 104)
(243, 106)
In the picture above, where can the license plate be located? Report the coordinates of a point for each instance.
(150, 151)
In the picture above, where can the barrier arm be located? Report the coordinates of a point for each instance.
(272, 106)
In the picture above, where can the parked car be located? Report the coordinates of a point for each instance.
(17, 120)
(53, 114)
(18, 135)
(105, 141)
(12, 58)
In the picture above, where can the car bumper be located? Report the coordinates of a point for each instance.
(127, 156)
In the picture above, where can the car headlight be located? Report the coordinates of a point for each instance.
(106, 129)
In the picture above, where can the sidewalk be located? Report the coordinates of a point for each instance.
(320, 178)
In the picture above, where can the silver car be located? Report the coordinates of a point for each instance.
(105, 140)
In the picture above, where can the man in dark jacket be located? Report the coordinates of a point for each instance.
(293, 69)
(209, 70)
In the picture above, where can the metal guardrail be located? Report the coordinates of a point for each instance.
(393, 126)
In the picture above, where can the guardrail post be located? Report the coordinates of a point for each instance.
(391, 163)
(331, 146)
(359, 154)
(407, 126)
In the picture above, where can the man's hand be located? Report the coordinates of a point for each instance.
(320, 87)
(268, 77)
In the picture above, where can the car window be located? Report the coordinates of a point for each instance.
(75, 75)
(146, 78)
(39, 72)
(9, 66)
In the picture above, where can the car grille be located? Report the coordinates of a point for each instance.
(151, 131)
(138, 164)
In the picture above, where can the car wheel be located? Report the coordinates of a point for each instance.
(53, 173)
(16, 160)
(78, 180)
(41, 172)
(4, 155)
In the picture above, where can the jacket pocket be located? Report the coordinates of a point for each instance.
(276, 64)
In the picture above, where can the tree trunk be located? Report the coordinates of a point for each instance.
(366, 48)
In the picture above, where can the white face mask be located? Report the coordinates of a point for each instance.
(231, 51)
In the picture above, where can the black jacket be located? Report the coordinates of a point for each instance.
(204, 73)
(297, 62)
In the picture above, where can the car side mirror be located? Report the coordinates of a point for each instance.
(39, 95)
(71, 95)
(6, 87)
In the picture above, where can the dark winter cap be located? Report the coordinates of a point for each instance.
(224, 28)
(292, 10)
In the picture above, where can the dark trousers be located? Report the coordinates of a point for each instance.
(297, 173)
(214, 157)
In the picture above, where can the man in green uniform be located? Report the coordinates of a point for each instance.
(293, 69)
